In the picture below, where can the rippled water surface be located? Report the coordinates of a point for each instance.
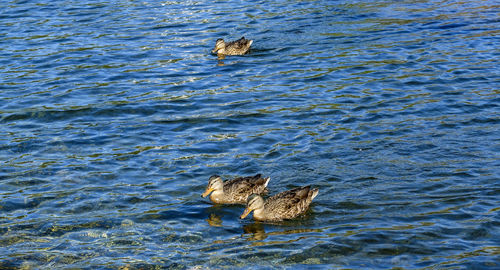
(114, 114)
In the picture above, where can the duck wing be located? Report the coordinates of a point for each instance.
(239, 46)
(290, 203)
(240, 188)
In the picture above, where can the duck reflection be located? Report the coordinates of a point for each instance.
(216, 213)
(214, 220)
(257, 231)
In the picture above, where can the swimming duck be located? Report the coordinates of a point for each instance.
(285, 205)
(237, 47)
(235, 191)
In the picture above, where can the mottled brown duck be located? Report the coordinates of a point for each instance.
(235, 191)
(285, 205)
(237, 47)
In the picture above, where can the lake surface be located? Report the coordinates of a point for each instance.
(113, 115)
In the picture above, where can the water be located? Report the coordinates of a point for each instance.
(114, 115)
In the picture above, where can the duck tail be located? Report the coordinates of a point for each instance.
(314, 193)
(267, 181)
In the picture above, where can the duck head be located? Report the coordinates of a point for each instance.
(254, 202)
(220, 47)
(214, 184)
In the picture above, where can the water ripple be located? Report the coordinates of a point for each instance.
(114, 115)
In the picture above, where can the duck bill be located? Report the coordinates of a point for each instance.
(207, 191)
(245, 213)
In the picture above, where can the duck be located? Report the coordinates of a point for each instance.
(285, 205)
(235, 191)
(237, 47)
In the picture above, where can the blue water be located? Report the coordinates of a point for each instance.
(113, 115)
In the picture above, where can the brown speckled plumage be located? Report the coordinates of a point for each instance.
(285, 205)
(237, 47)
(235, 191)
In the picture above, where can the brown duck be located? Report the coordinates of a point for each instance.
(237, 47)
(235, 191)
(285, 205)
